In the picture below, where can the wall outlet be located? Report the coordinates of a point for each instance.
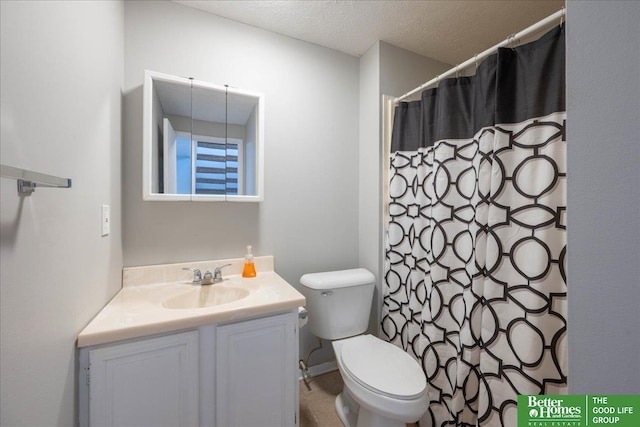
(106, 220)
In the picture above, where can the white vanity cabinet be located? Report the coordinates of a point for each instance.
(256, 373)
(238, 374)
(147, 382)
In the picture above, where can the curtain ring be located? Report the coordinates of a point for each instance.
(562, 16)
(513, 43)
(475, 59)
(457, 72)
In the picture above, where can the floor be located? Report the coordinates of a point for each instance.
(317, 405)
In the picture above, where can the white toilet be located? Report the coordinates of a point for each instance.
(383, 385)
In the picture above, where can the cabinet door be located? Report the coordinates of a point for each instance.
(256, 373)
(151, 382)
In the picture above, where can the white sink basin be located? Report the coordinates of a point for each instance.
(205, 296)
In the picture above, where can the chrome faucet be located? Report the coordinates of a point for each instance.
(208, 278)
(217, 273)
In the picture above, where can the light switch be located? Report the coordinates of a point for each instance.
(106, 220)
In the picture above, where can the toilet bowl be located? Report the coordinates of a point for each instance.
(383, 385)
(386, 383)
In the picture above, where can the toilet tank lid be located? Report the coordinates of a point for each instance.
(338, 279)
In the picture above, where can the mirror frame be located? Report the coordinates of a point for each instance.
(147, 143)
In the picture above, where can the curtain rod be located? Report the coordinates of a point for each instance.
(544, 23)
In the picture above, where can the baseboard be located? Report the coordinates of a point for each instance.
(322, 368)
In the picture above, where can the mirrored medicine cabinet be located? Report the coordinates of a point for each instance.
(201, 141)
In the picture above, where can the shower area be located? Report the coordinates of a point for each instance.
(474, 229)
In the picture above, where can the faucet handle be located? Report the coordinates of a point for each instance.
(217, 273)
(197, 276)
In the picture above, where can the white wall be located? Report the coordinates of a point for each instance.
(603, 134)
(369, 172)
(385, 69)
(309, 218)
(61, 68)
(402, 70)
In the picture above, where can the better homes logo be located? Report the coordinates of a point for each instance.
(550, 411)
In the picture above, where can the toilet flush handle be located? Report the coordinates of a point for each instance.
(326, 293)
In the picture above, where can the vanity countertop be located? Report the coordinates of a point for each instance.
(137, 310)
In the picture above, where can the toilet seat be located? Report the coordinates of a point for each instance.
(382, 368)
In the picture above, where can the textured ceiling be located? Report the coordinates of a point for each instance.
(448, 31)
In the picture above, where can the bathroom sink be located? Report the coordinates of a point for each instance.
(205, 296)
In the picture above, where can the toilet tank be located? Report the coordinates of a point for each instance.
(338, 302)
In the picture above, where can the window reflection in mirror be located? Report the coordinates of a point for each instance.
(202, 141)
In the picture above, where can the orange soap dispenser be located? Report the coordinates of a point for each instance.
(249, 269)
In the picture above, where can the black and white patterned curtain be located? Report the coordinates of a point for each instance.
(475, 280)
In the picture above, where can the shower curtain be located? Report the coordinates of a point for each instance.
(475, 271)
